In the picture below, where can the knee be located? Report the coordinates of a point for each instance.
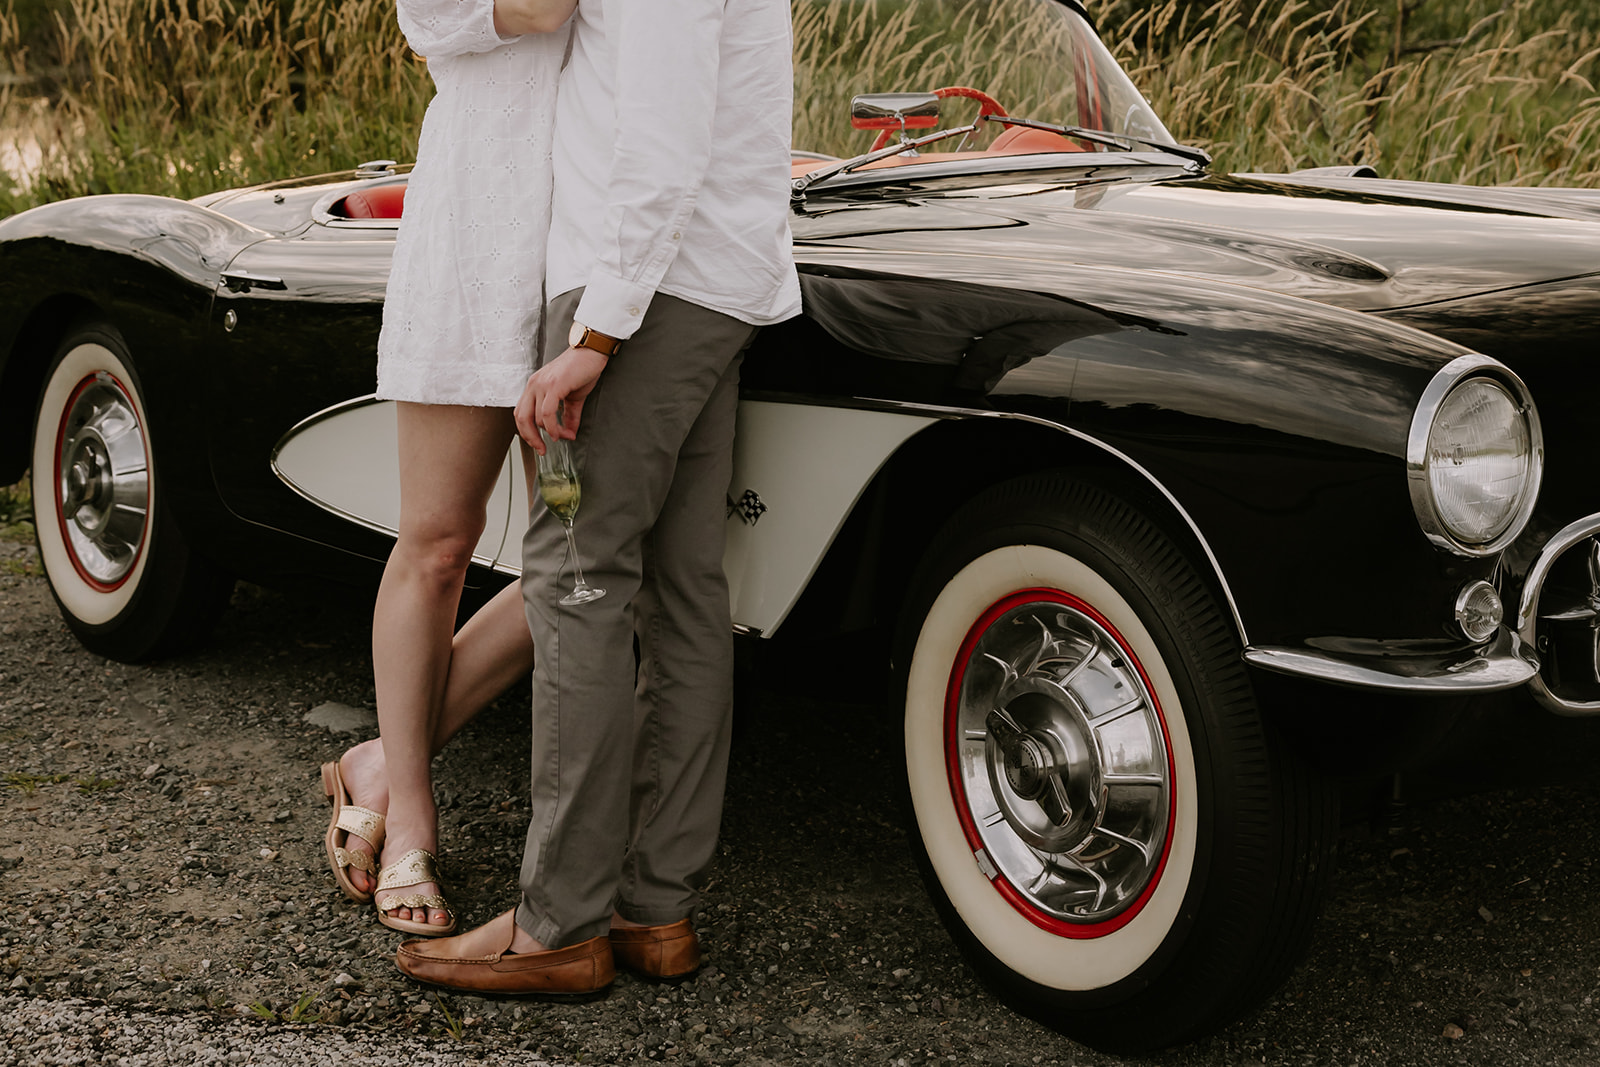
(438, 554)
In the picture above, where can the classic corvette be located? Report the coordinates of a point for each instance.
(1178, 496)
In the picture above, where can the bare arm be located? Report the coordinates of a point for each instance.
(514, 17)
(440, 28)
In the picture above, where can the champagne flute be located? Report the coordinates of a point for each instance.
(560, 489)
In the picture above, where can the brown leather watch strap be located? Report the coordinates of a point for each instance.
(605, 344)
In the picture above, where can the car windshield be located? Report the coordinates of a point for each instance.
(1036, 59)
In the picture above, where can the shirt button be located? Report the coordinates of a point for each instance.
(676, 235)
(633, 311)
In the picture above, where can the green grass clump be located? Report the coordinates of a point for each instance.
(16, 512)
(29, 783)
(16, 526)
(182, 97)
(300, 1011)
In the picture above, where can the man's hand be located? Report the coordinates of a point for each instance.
(553, 399)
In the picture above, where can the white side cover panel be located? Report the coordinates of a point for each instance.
(346, 460)
(798, 470)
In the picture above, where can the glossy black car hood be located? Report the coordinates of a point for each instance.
(1363, 244)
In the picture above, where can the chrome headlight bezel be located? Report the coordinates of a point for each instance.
(1419, 478)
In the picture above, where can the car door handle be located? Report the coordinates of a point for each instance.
(242, 281)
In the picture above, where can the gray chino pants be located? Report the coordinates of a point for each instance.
(629, 765)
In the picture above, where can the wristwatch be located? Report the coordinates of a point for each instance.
(580, 336)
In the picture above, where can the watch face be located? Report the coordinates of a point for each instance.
(575, 335)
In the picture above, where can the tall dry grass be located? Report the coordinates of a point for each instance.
(1484, 91)
(186, 96)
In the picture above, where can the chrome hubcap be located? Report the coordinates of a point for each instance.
(1060, 759)
(103, 485)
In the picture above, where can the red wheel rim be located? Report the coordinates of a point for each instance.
(97, 403)
(955, 738)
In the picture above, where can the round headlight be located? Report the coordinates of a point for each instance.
(1475, 457)
(1480, 454)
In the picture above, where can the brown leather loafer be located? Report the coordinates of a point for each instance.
(479, 961)
(670, 951)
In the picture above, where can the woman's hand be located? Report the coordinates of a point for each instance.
(513, 18)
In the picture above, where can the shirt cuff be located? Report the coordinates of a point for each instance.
(613, 306)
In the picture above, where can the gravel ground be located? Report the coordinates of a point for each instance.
(164, 900)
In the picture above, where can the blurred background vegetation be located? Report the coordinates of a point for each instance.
(182, 97)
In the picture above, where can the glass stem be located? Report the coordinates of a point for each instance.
(576, 566)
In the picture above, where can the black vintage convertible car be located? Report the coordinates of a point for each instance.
(1180, 497)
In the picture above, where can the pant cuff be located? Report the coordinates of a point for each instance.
(541, 928)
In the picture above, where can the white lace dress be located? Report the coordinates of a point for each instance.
(461, 315)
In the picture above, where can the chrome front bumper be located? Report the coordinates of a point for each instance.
(1577, 620)
(1552, 646)
(1503, 663)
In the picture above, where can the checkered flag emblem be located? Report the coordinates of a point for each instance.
(749, 507)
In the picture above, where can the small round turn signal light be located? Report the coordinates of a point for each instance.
(1479, 611)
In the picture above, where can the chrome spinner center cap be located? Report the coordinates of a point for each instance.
(1058, 752)
(1044, 766)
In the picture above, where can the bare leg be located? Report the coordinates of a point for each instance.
(450, 458)
(488, 655)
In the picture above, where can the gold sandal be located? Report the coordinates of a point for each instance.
(414, 868)
(349, 819)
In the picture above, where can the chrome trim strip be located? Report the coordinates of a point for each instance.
(334, 223)
(959, 168)
(366, 524)
(1422, 502)
(1563, 541)
(311, 420)
(944, 412)
(1501, 665)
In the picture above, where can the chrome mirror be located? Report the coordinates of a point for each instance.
(894, 111)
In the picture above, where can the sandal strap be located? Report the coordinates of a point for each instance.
(363, 822)
(361, 861)
(414, 868)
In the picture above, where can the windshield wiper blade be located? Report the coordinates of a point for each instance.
(797, 190)
(1105, 137)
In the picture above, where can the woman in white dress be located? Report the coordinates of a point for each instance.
(460, 326)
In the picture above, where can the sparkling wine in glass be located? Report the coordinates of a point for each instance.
(561, 491)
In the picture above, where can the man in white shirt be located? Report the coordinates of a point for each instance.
(669, 247)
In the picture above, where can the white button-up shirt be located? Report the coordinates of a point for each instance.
(672, 161)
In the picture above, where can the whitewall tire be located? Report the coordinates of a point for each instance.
(124, 578)
(1112, 834)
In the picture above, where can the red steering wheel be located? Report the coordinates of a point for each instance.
(990, 106)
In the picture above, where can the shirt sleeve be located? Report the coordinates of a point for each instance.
(666, 58)
(440, 28)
